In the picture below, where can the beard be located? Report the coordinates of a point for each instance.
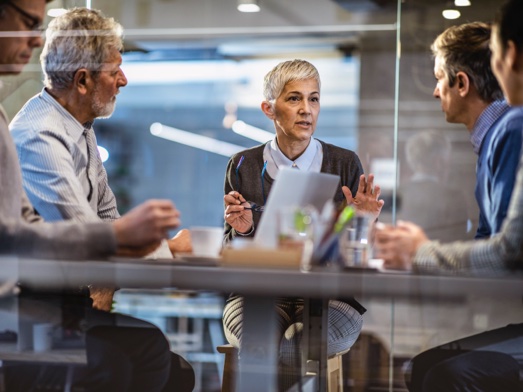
(100, 109)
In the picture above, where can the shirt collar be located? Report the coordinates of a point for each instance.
(484, 122)
(306, 161)
(72, 125)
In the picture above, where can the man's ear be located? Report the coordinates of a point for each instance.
(267, 108)
(463, 82)
(513, 58)
(81, 80)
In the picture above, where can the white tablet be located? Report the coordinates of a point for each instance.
(293, 187)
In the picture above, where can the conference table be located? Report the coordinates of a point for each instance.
(260, 287)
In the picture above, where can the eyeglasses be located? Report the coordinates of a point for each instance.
(32, 22)
(254, 207)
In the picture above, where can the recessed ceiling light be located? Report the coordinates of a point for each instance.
(462, 3)
(248, 6)
(451, 14)
(55, 12)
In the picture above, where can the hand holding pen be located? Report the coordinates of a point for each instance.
(238, 212)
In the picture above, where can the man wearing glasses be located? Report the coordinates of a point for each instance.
(16, 51)
(115, 361)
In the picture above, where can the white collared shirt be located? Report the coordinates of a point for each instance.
(310, 160)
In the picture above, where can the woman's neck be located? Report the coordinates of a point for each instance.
(293, 150)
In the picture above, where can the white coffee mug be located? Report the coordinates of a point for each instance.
(206, 241)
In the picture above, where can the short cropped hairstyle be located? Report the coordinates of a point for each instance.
(508, 24)
(286, 72)
(466, 48)
(80, 38)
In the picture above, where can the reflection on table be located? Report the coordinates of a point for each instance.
(261, 285)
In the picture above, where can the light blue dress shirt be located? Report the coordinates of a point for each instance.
(59, 172)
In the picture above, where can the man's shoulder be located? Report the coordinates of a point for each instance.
(513, 116)
(35, 116)
(510, 124)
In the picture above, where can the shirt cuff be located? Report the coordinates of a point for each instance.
(246, 234)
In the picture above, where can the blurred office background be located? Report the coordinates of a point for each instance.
(197, 66)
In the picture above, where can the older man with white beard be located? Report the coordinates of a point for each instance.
(63, 174)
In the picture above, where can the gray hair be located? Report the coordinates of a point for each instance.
(80, 38)
(286, 72)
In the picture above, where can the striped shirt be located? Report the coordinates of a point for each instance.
(23, 233)
(63, 178)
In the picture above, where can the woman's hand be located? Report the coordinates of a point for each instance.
(367, 198)
(236, 215)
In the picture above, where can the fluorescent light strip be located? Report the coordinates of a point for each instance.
(193, 140)
(251, 132)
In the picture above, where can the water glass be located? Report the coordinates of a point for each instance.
(296, 232)
(354, 246)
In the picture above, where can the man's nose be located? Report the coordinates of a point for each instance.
(36, 41)
(122, 80)
(435, 93)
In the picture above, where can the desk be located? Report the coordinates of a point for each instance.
(260, 286)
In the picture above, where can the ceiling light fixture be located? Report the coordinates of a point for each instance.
(462, 3)
(104, 154)
(248, 6)
(193, 140)
(451, 14)
(55, 12)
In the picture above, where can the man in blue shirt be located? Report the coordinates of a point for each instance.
(490, 361)
(470, 95)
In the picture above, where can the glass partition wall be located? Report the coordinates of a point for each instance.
(195, 70)
(198, 66)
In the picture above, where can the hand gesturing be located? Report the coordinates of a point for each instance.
(367, 198)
